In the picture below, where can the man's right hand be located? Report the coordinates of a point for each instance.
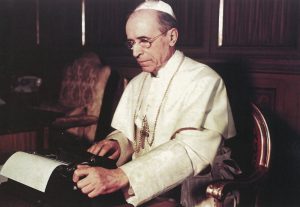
(109, 148)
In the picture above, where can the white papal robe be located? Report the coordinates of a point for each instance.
(185, 94)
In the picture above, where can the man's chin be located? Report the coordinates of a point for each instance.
(148, 69)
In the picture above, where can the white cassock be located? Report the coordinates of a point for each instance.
(184, 94)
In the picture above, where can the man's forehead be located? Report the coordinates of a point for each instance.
(144, 14)
(142, 23)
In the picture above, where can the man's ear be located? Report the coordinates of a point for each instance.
(173, 35)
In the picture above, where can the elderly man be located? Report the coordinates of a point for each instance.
(170, 120)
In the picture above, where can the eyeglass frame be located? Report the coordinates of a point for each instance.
(130, 43)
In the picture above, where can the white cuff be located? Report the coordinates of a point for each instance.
(125, 146)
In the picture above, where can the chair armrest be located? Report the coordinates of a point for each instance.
(75, 121)
(218, 189)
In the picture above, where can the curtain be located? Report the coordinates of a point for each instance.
(60, 23)
(105, 21)
(17, 33)
(190, 16)
(260, 22)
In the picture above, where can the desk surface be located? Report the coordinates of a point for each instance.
(18, 119)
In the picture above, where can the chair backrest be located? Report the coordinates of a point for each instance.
(261, 141)
(114, 89)
(79, 81)
(82, 89)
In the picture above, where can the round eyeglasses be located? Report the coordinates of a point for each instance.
(143, 42)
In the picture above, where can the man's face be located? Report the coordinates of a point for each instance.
(142, 26)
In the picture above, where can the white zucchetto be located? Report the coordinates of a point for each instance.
(158, 6)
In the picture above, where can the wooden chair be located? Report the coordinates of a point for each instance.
(218, 190)
(79, 101)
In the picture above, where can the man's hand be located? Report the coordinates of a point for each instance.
(107, 147)
(95, 181)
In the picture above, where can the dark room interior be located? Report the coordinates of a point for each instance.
(254, 45)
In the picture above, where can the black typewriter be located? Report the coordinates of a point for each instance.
(60, 190)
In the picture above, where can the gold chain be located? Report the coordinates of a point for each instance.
(137, 143)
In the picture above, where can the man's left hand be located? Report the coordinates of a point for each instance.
(95, 181)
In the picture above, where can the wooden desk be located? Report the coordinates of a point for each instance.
(14, 120)
(20, 119)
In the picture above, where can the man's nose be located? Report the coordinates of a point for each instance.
(137, 50)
